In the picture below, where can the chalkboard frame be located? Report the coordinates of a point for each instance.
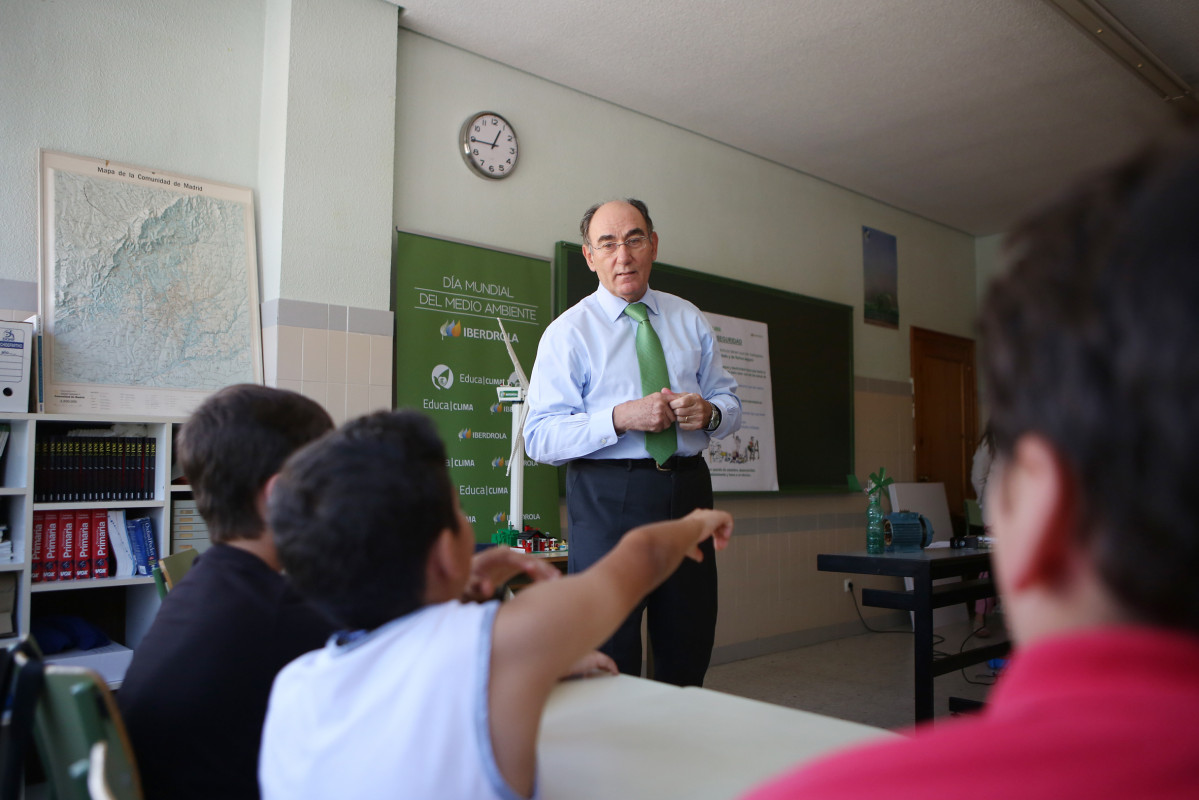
(793, 321)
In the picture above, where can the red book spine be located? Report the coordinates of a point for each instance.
(100, 543)
(39, 528)
(66, 545)
(50, 555)
(83, 545)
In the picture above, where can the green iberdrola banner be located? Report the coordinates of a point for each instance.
(450, 357)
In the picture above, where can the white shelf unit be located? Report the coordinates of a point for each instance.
(16, 512)
(127, 604)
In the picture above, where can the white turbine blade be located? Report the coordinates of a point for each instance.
(520, 373)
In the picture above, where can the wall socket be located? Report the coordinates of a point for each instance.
(848, 585)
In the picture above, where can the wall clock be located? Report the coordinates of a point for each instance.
(489, 145)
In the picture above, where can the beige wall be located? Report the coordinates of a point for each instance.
(771, 595)
(321, 185)
(339, 356)
(250, 93)
(717, 210)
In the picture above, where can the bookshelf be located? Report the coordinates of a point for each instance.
(123, 607)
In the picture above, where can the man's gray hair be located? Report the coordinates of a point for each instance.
(585, 225)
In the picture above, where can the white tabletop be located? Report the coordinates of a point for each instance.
(626, 737)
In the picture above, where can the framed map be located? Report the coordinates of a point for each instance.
(148, 288)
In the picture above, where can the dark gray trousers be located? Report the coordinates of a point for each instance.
(604, 500)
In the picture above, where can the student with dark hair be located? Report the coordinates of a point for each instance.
(427, 697)
(1092, 375)
(195, 694)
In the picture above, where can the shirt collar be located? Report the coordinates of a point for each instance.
(614, 306)
(1097, 662)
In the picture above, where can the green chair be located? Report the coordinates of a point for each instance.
(974, 518)
(21, 679)
(75, 713)
(176, 565)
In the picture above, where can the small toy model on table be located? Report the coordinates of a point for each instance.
(530, 540)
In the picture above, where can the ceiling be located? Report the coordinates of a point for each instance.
(965, 112)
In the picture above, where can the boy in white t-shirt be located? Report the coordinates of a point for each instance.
(428, 697)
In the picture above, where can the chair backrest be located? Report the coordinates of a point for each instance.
(176, 565)
(21, 678)
(974, 516)
(76, 711)
(97, 774)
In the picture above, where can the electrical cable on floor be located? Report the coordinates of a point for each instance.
(962, 649)
(937, 638)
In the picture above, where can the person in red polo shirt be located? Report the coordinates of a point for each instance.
(1091, 350)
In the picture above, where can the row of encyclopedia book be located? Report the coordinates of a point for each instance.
(93, 468)
(91, 543)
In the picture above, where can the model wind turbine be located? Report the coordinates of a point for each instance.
(515, 397)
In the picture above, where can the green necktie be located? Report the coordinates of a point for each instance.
(654, 378)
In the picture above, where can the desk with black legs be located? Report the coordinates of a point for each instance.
(924, 567)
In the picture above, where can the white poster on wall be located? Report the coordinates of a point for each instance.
(149, 288)
(744, 461)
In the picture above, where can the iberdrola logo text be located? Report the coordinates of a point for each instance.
(467, 433)
(503, 516)
(454, 329)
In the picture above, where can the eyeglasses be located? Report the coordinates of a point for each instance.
(634, 244)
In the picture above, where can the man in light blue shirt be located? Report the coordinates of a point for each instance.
(587, 410)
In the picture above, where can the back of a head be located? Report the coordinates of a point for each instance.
(1090, 340)
(355, 515)
(234, 442)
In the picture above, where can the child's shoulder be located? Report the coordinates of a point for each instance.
(427, 631)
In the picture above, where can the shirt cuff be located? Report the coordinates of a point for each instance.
(601, 429)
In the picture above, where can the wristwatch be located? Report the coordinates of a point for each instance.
(714, 422)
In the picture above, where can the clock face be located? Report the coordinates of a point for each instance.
(489, 145)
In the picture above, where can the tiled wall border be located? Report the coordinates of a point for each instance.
(324, 316)
(21, 297)
(340, 356)
(796, 522)
(882, 386)
(343, 357)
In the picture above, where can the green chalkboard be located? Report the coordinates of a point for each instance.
(811, 362)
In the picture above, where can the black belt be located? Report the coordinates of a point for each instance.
(675, 463)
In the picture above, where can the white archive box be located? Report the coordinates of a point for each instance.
(16, 359)
(110, 661)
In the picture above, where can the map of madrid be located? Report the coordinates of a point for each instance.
(150, 286)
